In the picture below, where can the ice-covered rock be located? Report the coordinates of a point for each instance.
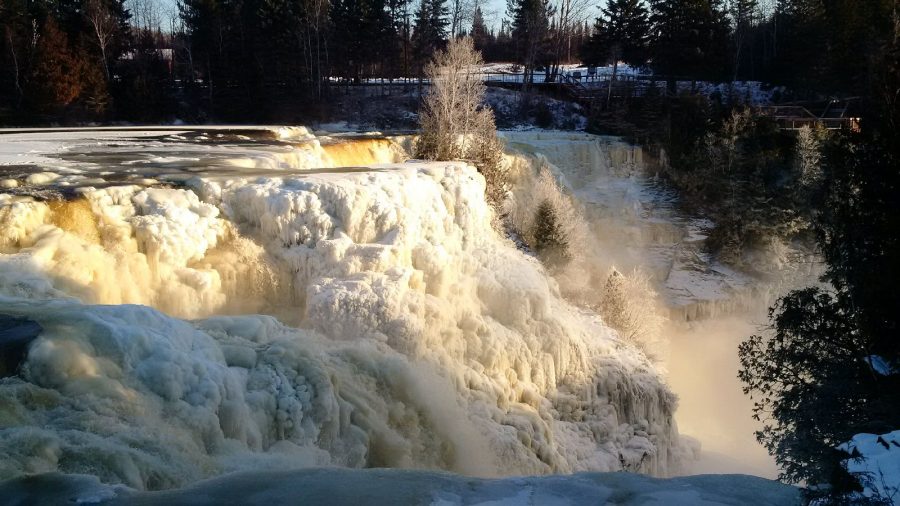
(418, 337)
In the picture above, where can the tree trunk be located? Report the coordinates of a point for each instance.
(15, 60)
(105, 61)
(611, 81)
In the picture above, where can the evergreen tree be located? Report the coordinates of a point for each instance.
(503, 46)
(831, 369)
(17, 23)
(745, 16)
(815, 381)
(690, 38)
(55, 80)
(550, 241)
(363, 31)
(830, 46)
(205, 27)
(530, 33)
(399, 50)
(620, 33)
(429, 31)
(480, 34)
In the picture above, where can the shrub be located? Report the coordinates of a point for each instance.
(543, 116)
(454, 121)
(549, 238)
(628, 304)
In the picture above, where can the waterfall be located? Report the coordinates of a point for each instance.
(220, 300)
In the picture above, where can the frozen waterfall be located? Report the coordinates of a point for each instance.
(224, 299)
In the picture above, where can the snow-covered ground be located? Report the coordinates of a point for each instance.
(573, 70)
(393, 106)
(341, 487)
(744, 92)
(558, 114)
(875, 460)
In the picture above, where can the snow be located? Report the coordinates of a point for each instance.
(268, 301)
(507, 106)
(630, 220)
(696, 311)
(409, 333)
(875, 460)
(513, 72)
(880, 365)
(398, 487)
(745, 92)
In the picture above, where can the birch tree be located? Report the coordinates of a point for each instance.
(454, 120)
(104, 26)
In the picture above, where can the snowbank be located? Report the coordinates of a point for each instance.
(390, 486)
(875, 461)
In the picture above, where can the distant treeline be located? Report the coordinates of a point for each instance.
(241, 60)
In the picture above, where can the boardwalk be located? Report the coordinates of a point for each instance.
(586, 90)
(600, 90)
(835, 115)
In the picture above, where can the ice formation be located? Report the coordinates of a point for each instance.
(641, 262)
(226, 300)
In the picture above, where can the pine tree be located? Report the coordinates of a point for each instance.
(549, 239)
(204, 25)
(398, 53)
(530, 32)
(480, 34)
(620, 33)
(814, 380)
(690, 38)
(56, 76)
(503, 47)
(829, 46)
(361, 29)
(16, 35)
(430, 30)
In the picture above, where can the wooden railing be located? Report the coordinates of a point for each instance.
(795, 117)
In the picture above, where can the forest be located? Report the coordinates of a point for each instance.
(70, 61)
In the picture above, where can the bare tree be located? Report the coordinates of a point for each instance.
(147, 15)
(569, 14)
(461, 12)
(104, 24)
(452, 109)
(313, 40)
(15, 64)
(455, 122)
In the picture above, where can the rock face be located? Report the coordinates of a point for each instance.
(15, 336)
